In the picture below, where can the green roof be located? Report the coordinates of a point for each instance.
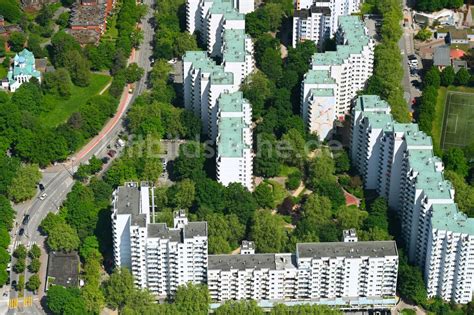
(355, 39)
(23, 64)
(232, 102)
(230, 142)
(418, 138)
(318, 77)
(322, 92)
(397, 127)
(201, 61)
(448, 217)
(226, 8)
(234, 45)
(370, 102)
(380, 120)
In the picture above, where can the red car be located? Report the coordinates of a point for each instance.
(111, 153)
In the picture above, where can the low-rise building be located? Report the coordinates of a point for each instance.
(21, 71)
(63, 269)
(88, 21)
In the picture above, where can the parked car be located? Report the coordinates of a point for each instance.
(14, 284)
(43, 196)
(26, 219)
(111, 153)
(41, 187)
(105, 159)
(21, 232)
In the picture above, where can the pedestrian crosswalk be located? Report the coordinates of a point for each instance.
(13, 303)
(27, 302)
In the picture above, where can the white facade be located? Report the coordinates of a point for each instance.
(335, 77)
(237, 54)
(203, 83)
(160, 258)
(210, 18)
(397, 160)
(317, 271)
(317, 20)
(234, 158)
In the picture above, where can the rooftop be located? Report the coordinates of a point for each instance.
(305, 13)
(323, 92)
(441, 56)
(418, 138)
(370, 103)
(230, 142)
(232, 102)
(251, 261)
(64, 268)
(318, 77)
(234, 45)
(448, 217)
(380, 120)
(341, 249)
(355, 38)
(87, 15)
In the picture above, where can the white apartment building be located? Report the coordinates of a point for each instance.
(160, 258)
(210, 18)
(234, 158)
(203, 83)
(317, 20)
(237, 54)
(397, 160)
(335, 77)
(324, 272)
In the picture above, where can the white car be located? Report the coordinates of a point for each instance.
(43, 196)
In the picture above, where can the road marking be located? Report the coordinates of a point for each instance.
(13, 303)
(27, 301)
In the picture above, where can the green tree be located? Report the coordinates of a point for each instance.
(20, 252)
(89, 248)
(10, 10)
(294, 180)
(33, 283)
(316, 212)
(225, 232)
(78, 67)
(239, 201)
(93, 298)
(350, 217)
(21, 284)
(410, 284)
(119, 288)
(63, 237)
(464, 196)
(17, 40)
(295, 143)
(263, 194)
(4, 237)
(267, 161)
(35, 251)
(4, 275)
(424, 34)
(268, 232)
(238, 308)
(192, 299)
(61, 300)
(182, 194)
(257, 88)
(20, 266)
(447, 76)
(282, 309)
(7, 214)
(134, 73)
(45, 15)
(34, 266)
(455, 160)
(23, 185)
(462, 77)
(341, 161)
(432, 77)
(271, 64)
(58, 83)
(190, 161)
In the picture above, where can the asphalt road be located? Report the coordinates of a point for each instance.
(58, 179)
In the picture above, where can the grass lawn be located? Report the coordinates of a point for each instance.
(111, 33)
(3, 72)
(61, 109)
(286, 170)
(408, 312)
(437, 126)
